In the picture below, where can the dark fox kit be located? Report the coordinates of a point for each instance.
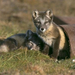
(12, 43)
(51, 34)
(33, 42)
(29, 40)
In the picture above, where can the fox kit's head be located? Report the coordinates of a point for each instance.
(33, 42)
(42, 20)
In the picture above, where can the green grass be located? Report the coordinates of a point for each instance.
(33, 61)
(10, 28)
(26, 62)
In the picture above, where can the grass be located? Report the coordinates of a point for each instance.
(35, 62)
(25, 62)
(9, 28)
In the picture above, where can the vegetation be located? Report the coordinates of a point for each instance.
(19, 20)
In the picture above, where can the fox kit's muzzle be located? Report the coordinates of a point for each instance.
(42, 29)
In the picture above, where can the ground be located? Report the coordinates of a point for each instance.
(15, 17)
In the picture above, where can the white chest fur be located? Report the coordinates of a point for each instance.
(47, 40)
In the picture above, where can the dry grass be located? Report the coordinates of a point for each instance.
(20, 10)
(15, 17)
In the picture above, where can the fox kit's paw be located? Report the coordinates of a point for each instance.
(59, 61)
(56, 59)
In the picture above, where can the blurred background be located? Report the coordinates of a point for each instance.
(16, 15)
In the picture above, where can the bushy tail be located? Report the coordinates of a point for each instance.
(4, 48)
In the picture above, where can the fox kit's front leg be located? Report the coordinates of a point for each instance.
(55, 49)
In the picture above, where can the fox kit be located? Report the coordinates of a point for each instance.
(29, 40)
(51, 34)
(33, 42)
(12, 43)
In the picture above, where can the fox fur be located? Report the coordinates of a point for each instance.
(29, 40)
(51, 34)
(34, 42)
(13, 42)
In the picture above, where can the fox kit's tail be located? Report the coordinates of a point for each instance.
(4, 48)
(8, 45)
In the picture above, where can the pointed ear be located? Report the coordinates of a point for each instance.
(35, 14)
(29, 33)
(49, 14)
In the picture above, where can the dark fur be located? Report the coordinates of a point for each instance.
(13, 42)
(39, 44)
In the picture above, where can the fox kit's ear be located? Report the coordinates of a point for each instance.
(35, 14)
(49, 14)
(29, 33)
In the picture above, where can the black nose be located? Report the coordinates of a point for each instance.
(42, 29)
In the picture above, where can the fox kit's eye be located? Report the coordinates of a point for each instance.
(38, 22)
(47, 22)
